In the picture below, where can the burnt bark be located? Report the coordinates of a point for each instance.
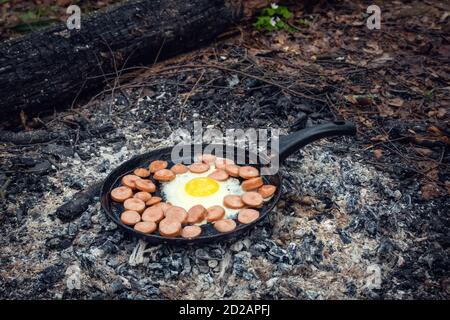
(47, 69)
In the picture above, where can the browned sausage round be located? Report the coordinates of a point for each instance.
(199, 167)
(219, 175)
(169, 227)
(120, 194)
(164, 175)
(252, 199)
(154, 214)
(233, 201)
(222, 162)
(163, 205)
(267, 190)
(225, 225)
(142, 172)
(130, 218)
(247, 216)
(215, 213)
(134, 204)
(145, 185)
(153, 200)
(232, 170)
(130, 180)
(206, 158)
(145, 227)
(179, 168)
(252, 184)
(157, 165)
(143, 195)
(190, 232)
(248, 172)
(176, 213)
(196, 214)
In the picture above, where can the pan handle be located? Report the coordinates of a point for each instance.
(291, 143)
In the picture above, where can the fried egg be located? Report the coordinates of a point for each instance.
(190, 189)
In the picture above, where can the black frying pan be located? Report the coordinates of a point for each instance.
(288, 145)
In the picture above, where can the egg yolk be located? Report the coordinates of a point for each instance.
(201, 187)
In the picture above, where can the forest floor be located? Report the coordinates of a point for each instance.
(365, 217)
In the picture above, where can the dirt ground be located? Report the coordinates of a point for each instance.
(359, 218)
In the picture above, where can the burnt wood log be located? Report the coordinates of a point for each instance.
(50, 68)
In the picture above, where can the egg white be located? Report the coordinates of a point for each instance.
(175, 193)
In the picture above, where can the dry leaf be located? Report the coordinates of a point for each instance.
(396, 102)
(430, 191)
(378, 153)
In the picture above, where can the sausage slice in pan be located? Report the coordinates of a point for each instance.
(130, 180)
(134, 204)
(247, 216)
(252, 184)
(157, 165)
(248, 172)
(196, 214)
(130, 218)
(252, 199)
(153, 214)
(179, 168)
(233, 201)
(164, 175)
(145, 227)
(190, 232)
(225, 225)
(199, 167)
(169, 227)
(176, 213)
(219, 175)
(215, 213)
(145, 185)
(120, 194)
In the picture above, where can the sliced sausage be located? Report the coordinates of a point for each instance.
(153, 200)
(141, 172)
(206, 158)
(145, 185)
(232, 170)
(215, 213)
(267, 190)
(169, 227)
(130, 218)
(134, 204)
(196, 214)
(190, 232)
(252, 184)
(130, 180)
(154, 214)
(164, 175)
(199, 167)
(233, 201)
(145, 227)
(252, 199)
(143, 195)
(179, 168)
(248, 172)
(121, 194)
(219, 175)
(225, 225)
(163, 205)
(177, 213)
(157, 165)
(247, 216)
(222, 162)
